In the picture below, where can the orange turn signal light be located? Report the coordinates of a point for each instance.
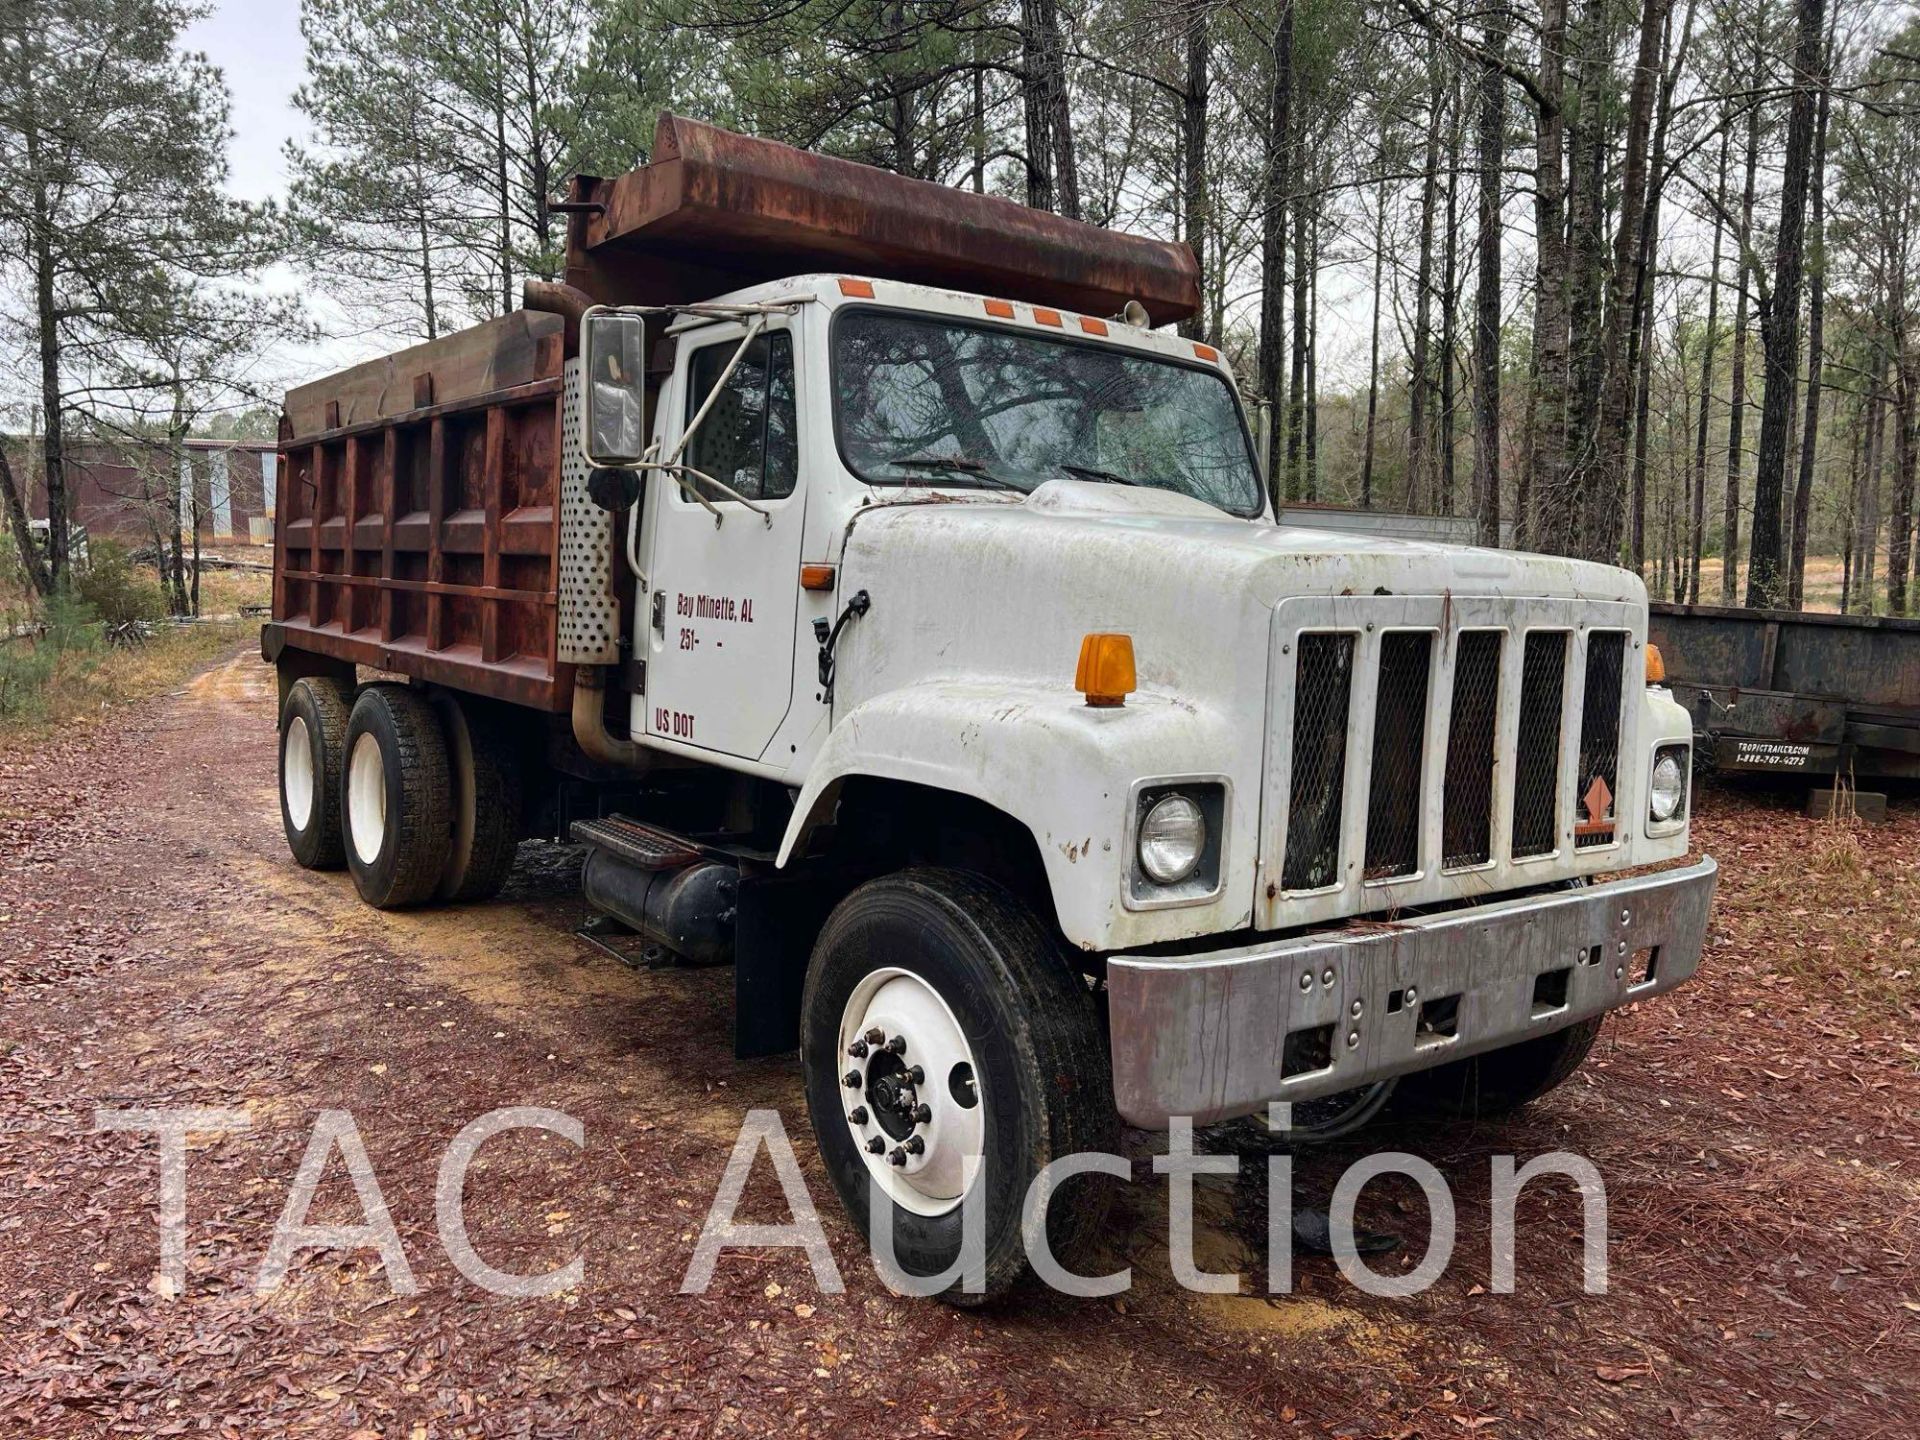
(1656, 665)
(816, 577)
(1105, 674)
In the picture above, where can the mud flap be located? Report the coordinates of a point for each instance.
(780, 916)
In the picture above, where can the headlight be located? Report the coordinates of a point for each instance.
(1669, 788)
(1173, 836)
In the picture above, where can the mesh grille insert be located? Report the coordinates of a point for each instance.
(1536, 778)
(1399, 738)
(1322, 686)
(1467, 814)
(1600, 738)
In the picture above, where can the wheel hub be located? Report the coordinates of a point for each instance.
(913, 1105)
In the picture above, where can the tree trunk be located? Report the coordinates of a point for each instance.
(1547, 464)
(1606, 482)
(1449, 301)
(1419, 480)
(31, 560)
(1780, 324)
(1697, 536)
(1273, 239)
(47, 320)
(178, 481)
(1373, 348)
(1588, 351)
(1491, 144)
(1193, 145)
(1900, 513)
(1297, 367)
(1639, 351)
(1052, 178)
(1816, 332)
(1313, 358)
(1737, 395)
(1867, 550)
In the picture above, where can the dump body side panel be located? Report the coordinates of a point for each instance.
(418, 524)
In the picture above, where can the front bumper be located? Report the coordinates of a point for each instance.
(1220, 1035)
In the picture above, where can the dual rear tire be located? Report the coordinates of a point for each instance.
(417, 800)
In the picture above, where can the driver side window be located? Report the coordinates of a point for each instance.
(750, 439)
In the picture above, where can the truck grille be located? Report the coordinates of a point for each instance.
(1323, 683)
(1399, 737)
(1424, 749)
(1600, 738)
(1536, 771)
(1466, 820)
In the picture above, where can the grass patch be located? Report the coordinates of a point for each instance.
(69, 674)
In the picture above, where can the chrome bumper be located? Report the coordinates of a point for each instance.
(1214, 1036)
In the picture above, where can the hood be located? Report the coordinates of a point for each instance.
(1003, 586)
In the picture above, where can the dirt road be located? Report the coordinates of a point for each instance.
(1757, 1133)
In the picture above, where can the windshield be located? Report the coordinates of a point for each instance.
(931, 401)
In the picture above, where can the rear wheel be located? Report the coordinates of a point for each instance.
(942, 1025)
(313, 743)
(1501, 1081)
(485, 802)
(395, 797)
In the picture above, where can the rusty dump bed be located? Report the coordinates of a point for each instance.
(417, 524)
(717, 211)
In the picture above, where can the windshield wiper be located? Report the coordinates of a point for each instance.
(965, 464)
(1089, 472)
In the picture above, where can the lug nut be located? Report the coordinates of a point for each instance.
(922, 1114)
(858, 1115)
(896, 1156)
(917, 1076)
(851, 1079)
(916, 1146)
(876, 1145)
(858, 1049)
(898, 1044)
(876, 1035)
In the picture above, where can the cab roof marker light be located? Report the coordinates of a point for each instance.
(1047, 317)
(999, 309)
(1093, 326)
(1206, 353)
(856, 289)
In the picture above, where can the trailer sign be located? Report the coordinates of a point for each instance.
(1777, 755)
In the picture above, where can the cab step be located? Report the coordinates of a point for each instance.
(643, 846)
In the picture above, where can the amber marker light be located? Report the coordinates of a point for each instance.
(816, 577)
(999, 309)
(1093, 326)
(1656, 665)
(857, 289)
(1105, 674)
(1206, 353)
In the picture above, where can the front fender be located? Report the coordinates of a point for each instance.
(1064, 770)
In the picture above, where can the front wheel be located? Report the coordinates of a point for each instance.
(943, 1033)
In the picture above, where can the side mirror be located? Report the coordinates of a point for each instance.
(615, 347)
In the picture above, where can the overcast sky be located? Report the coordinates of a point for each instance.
(257, 44)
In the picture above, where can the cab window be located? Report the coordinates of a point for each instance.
(749, 439)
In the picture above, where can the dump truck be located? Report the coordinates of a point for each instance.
(892, 606)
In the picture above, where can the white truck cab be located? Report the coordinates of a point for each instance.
(1031, 776)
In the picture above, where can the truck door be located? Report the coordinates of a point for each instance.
(726, 595)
